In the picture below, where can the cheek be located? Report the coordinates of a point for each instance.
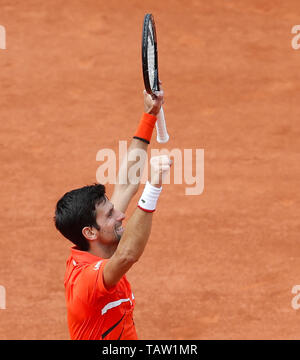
(110, 223)
(108, 226)
(104, 222)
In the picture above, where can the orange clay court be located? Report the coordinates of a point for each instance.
(220, 265)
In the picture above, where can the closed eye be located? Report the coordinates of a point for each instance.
(110, 212)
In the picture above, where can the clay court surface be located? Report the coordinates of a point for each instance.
(220, 265)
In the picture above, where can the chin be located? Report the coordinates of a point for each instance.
(118, 235)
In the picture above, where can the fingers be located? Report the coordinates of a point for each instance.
(159, 94)
(156, 94)
(160, 160)
(160, 167)
(153, 102)
(158, 97)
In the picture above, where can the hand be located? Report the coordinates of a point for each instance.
(160, 167)
(152, 104)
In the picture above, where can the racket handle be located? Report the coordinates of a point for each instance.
(161, 128)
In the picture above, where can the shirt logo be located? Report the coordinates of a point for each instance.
(97, 266)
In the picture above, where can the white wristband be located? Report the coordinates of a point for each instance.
(149, 197)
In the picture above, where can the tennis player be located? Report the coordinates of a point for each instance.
(99, 298)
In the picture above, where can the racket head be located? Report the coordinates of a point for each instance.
(149, 55)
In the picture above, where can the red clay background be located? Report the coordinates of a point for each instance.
(218, 266)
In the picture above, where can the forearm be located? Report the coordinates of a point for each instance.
(136, 235)
(138, 229)
(131, 169)
(126, 180)
(126, 187)
(130, 248)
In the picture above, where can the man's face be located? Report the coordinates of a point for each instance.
(110, 221)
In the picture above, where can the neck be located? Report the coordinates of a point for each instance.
(102, 251)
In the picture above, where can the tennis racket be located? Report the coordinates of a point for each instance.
(150, 72)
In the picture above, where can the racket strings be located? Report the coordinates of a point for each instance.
(151, 58)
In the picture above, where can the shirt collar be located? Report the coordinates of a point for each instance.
(83, 256)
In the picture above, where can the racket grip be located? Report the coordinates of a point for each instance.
(161, 128)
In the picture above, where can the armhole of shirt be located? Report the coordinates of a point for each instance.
(102, 284)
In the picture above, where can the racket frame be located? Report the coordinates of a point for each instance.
(147, 19)
(161, 128)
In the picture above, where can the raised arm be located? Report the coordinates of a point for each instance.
(126, 187)
(138, 228)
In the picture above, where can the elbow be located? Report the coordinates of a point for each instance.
(128, 258)
(132, 259)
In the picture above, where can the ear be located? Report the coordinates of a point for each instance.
(89, 233)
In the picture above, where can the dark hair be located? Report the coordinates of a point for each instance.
(77, 209)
